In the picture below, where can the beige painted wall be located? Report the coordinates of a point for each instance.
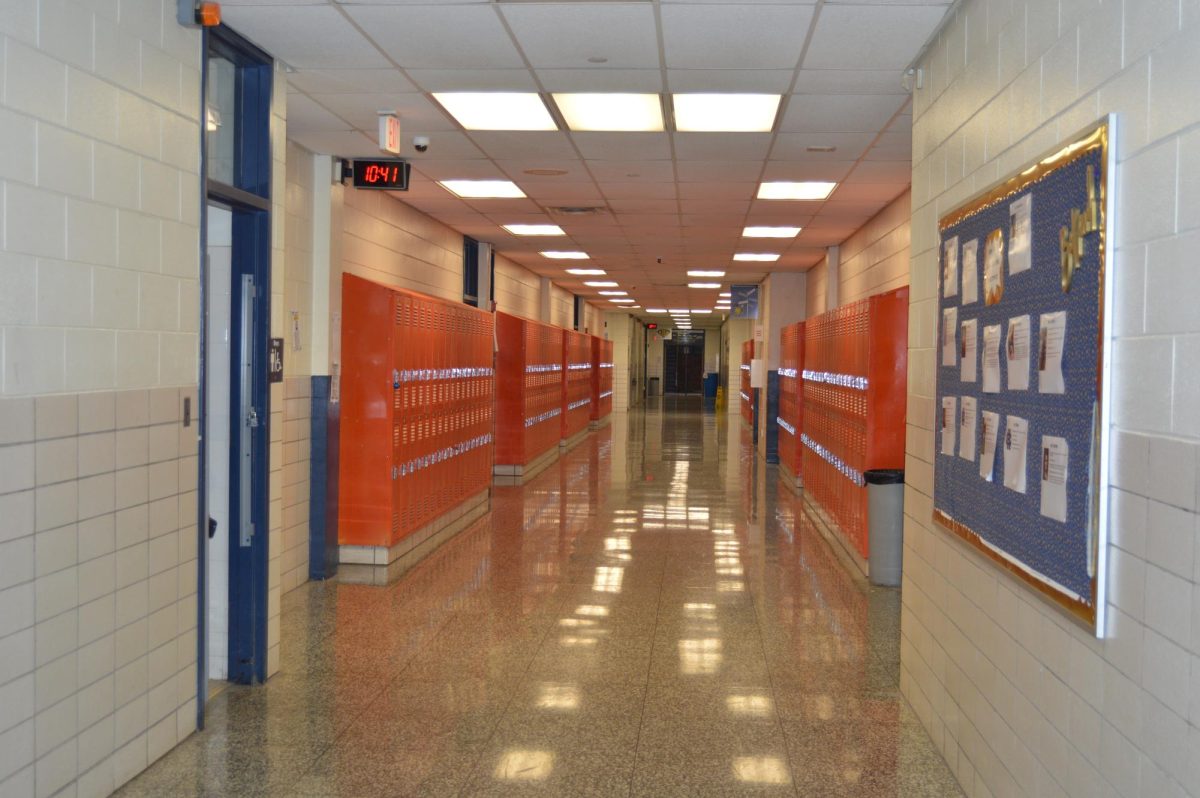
(873, 260)
(1020, 699)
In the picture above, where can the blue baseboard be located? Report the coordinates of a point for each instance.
(323, 482)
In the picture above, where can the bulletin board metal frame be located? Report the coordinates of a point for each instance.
(1065, 563)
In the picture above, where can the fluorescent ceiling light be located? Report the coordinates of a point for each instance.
(705, 273)
(590, 111)
(614, 293)
(497, 110)
(534, 229)
(586, 272)
(679, 310)
(656, 310)
(562, 255)
(771, 232)
(701, 311)
(725, 294)
(621, 301)
(766, 257)
(704, 285)
(483, 189)
(731, 113)
(806, 190)
(599, 283)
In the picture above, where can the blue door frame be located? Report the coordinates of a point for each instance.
(249, 201)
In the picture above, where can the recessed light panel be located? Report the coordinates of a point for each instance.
(565, 255)
(725, 294)
(592, 111)
(704, 285)
(497, 110)
(600, 283)
(765, 257)
(805, 190)
(614, 293)
(656, 310)
(623, 301)
(584, 272)
(730, 113)
(702, 312)
(771, 232)
(483, 189)
(534, 229)
(705, 273)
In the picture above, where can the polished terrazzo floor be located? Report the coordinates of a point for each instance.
(652, 616)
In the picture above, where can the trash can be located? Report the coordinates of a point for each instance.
(885, 525)
(652, 387)
(710, 385)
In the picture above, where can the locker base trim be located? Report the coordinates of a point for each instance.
(854, 563)
(793, 481)
(515, 474)
(598, 423)
(567, 444)
(382, 565)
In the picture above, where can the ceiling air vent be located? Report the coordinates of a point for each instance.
(577, 210)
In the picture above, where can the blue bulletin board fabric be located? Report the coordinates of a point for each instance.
(1010, 523)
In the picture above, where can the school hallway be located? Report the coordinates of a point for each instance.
(638, 619)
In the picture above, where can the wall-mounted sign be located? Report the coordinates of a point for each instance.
(275, 361)
(389, 133)
(382, 173)
(743, 301)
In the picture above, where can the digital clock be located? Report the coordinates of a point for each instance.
(388, 173)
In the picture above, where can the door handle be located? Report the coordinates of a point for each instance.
(252, 418)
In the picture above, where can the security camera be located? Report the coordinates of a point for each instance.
(421, 143)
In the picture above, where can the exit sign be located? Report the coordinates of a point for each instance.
(389, 133)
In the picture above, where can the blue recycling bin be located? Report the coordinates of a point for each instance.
(710, 386)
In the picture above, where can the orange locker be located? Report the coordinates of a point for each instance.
(529, 405)
(854, 386)
(417, 400)
(602, 377)
(576, 382)
(791, 409)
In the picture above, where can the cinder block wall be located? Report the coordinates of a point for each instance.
(1019, 699)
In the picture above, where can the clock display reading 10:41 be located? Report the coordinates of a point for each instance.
(391, 174)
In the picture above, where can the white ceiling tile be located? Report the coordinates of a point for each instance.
(734, 208)
(727, 37)
(490, 207)
(563, 193)
(632, 171)
(753, 81)
(573, 168)
(807, 170)
(884, 37)
(448, 144)
(849, 81)
(819, 113)
(602, 79)
(328, 81)
(616, 146)
(722, 146)
(416, 111)
(794, 146)
(560, 35)
(346, 143)
(893, 153)
(709, 171)
(636, 190)
(524, 145)
(894, 172)
(776, 211)
(873, 192)
(457, 169)
(439, 36)
(304, 114)
(639, 206)
(714, 190)
(432, 80)
(305, 37)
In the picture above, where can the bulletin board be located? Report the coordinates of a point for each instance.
(1022, 410)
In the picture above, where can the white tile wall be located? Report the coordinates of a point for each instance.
(1020, 700)
(96, 603)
